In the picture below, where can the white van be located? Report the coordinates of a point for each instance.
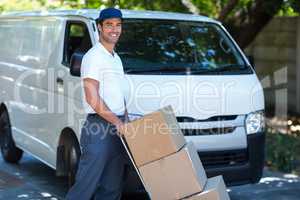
(187, 61)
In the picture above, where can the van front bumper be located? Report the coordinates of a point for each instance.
(239, 166)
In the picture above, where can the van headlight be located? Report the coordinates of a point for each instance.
(255, 122)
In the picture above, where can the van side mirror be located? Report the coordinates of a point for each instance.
(75, 63)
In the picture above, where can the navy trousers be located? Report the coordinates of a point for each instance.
(102, 164)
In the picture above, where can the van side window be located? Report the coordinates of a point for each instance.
(77, 40)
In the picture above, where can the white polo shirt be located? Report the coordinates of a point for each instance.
(99, 64)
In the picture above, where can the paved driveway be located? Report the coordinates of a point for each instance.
(31, 179)
(273, 186)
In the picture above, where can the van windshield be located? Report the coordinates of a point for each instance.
(177, 47)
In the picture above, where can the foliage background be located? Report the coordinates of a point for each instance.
(243, 18)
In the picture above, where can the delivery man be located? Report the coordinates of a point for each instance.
(101, 167)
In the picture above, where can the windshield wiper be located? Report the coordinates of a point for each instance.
(160, 69)
(174, 69)
(231, 67)
(222, 68)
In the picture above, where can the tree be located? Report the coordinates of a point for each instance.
(248, 20)
(243, 18)
(18, 5)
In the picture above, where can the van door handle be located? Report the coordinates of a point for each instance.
(59, 81)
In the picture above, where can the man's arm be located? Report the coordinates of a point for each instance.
(91, 90)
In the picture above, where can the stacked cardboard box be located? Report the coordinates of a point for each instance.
(154, 136)
(214, 189)
(170, 167)
(175, 176)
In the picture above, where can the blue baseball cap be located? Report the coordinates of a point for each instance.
(108, 13)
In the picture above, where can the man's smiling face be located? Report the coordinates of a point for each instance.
(110, 30)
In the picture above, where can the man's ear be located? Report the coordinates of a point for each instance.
(99, 27)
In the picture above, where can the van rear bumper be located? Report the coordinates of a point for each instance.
(240, 166)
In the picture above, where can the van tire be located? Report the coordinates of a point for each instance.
(9, 151)
(72, 153)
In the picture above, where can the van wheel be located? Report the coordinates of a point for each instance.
(72, 160)
(10, 152)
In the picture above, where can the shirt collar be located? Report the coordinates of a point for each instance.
(100, 45)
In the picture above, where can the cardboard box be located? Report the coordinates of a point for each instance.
(175, 176)
(215, 189)
(154, 136)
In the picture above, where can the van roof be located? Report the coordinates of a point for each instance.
(94, 13)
